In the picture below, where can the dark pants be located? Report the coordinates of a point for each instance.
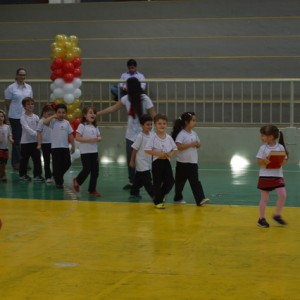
(46, 150)
(163, 179)
(27, 151)
(184, 172)
(61, 162)
(142, 179)
(131, 171)
(16, 130)
(90, 165)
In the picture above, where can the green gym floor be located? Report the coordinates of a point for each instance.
(56, 244)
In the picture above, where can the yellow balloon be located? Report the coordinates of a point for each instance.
(70, 108)
(53, 46)
(68, 56)
(76, 103)
(77, 112)
(58, 52)
(68, 46)
(70, 117)
(73, 39)
(76, 51)
(59, 101)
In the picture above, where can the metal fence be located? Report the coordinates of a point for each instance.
(216, 102)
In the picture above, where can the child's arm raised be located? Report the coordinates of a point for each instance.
(49, 119)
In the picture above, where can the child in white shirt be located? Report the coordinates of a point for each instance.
(142, 161)
(61, 136)
(187, 142)
(162, 147)
(88, 135)
(44, 140)
(5, 137)
(29, 122)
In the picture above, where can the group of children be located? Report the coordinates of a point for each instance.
(153, 151)
(151, 155)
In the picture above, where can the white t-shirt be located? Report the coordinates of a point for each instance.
(143, 161)
(133, 124)
(46, 131)
(157, 144)
(60, 133)
(5, 132)
(88, 131)
(29, 127)
(189, 155)
(15, 93)
(137, 75)
(262, 153)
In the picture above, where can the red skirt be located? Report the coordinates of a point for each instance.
(4, 153)
(270, 183)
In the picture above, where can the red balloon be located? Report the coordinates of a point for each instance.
(53, 76)
(68, 67)
(77, 72)
(58, 61)
(68, 77)
(76, 62)
(58, 72)
(53, 104)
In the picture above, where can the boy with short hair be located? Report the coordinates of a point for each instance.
(141, 161)
(162, 147)
(61, 136)
(29, 122)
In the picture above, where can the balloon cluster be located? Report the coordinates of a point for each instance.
(65, 76)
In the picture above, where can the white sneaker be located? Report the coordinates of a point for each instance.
(49, 180)
(203, 201)
(180, 202)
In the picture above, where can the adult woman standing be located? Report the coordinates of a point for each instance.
(13, 95)
(136, 104)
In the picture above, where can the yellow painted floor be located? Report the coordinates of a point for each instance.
(96, 250)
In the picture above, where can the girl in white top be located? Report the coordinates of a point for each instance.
(136, 104)
(5, 137)
(88, 135)
(271, 178)
(162, 147)
(187, 142)
(44, 134)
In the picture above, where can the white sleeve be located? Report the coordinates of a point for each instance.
(26, 127)
(40, 126)
(149, 145)
(137, 143)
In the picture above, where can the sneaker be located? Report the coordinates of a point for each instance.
(76, 185)
(279, 220)
(128, 186)
(25, 178)
(160, 206)
(263, 223)
(179, 202)
(49, 180)
(203, 201)
(38, 179)
(59, 186)
(95, 194)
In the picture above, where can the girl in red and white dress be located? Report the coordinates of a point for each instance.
(271, 178)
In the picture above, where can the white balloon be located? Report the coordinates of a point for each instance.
(69, 88)
(52, 86)
(58, 93)
(77, 93)
(52, 97)
(59, 82)
(69, 98)
(77, 82)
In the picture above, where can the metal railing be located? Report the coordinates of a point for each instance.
(216, 102)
